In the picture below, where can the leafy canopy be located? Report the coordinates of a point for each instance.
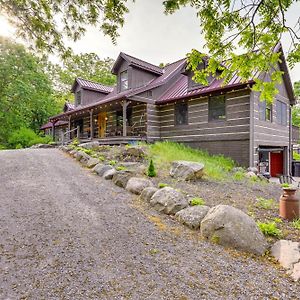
(26, 91)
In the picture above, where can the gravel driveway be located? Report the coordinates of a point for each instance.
(68, 234)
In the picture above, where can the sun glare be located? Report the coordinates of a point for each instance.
(5, 28)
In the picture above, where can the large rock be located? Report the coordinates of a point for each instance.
(92, 162)
(288, 255)
(253, 169)
(90, 145)
(168, 200)
(83, 157)
(229, 226)
(148, 192)
(109, 174)
(100, 169)
(132, 153)
(73, 153)
(136, 185)
(121, 178)
(43, 146)
(187, 170)
(250, 174)
(192, 216)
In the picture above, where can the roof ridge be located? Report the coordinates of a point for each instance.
(174, 62)
(143, 61)
(95, 82)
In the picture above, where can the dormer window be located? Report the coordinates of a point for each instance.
(123, 80)
(78, 98)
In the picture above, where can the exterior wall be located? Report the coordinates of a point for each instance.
(229, 137)
(266, 133)
(140, 77)
(295, 135)
(89, 96)
(153, 122)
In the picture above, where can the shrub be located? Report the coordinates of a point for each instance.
(239, 175)
(75, 142)
(112, 162)
(285, 185)
(2, 147)
(197, 201)
(269, 229)
(162, 185)
(121, 168)
(296, 224)
(265, 203)
(151, 169)
(25, 137)
(296, 156)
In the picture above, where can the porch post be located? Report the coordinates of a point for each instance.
(91, 124)
(124, 105)
(69, 127)
(53, 130)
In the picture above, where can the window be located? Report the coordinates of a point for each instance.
(78, 98)
(123, 81)
(119, 117)
(265, 111)
(149, 94)
(216, 108)
(181, 113)
(281, 113)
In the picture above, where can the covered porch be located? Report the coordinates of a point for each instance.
(118, 122)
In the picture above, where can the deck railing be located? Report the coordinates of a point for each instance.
(66, 136)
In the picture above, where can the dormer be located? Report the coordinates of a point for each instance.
(192, 85)
(87, 92)
(132, 72)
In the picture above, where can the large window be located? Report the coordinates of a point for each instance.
(281, 113)
(123, 81)
(78, 98)
(216, 108)
(181, 113)
(119, 117)
(265, 111)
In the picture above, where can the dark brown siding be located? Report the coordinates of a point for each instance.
(230, 137)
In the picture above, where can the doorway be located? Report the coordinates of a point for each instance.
(276, 163)
(102, 124)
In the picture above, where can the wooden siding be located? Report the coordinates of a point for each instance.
(229, 137)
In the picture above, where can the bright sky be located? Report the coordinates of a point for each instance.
(152, 36)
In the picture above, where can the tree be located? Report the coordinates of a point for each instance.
(240, 35)
(26, 91)
(85, 65)
(296, 108)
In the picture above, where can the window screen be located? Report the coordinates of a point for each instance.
(181, 114)
(216, 108)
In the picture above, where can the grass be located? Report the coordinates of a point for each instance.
(270, 229)
(197, 201)
(296, 223)
(239, 175)
(162, 185)
(216, 166)
(265, 203)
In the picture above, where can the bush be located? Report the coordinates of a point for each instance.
(25, 137)
(269, 229)
(296, 224)
(162, 185)
(151, 169)
(239, 175)
(296, 156)
(197, 201)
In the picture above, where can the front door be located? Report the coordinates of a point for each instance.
(101, 124)
(276, 163)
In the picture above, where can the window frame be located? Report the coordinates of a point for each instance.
(78, 95)
(123, 81)
(281, 114)
(211, 118)
(178, 114)
(263, 108)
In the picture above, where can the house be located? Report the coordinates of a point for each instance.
(150, 103)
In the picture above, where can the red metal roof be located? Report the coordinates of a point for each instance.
(50, 124)
(137, 63)
(91, 85)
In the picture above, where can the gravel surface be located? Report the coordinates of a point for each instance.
(68, 234)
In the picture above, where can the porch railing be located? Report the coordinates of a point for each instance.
(66, 136)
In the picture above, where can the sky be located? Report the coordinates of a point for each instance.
(152, 36)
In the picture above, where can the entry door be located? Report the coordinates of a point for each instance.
(276, 163)
(102, 124)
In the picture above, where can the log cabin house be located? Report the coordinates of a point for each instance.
(150, 104)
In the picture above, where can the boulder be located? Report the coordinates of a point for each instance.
(100, 169)
(132, 153)
(42, 146)
(250, 174)
(148, 192)
(121, 178)
(187, 170)
(168, 200)
(83, 157)
(253, 169)
(136, 167)
(92, 162)
(136, 185)
(288, 255)
(90, 145)
(192, 215)
(64, 148)
(238, 169)
(73, 153)
(230, 227)
(108, 175)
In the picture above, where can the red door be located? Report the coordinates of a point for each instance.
(276, 163)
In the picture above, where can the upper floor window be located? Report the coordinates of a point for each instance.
(281, 113)
(123, 80)
(217, 108)
(265, 111)
(181, 113)
(78, 98)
